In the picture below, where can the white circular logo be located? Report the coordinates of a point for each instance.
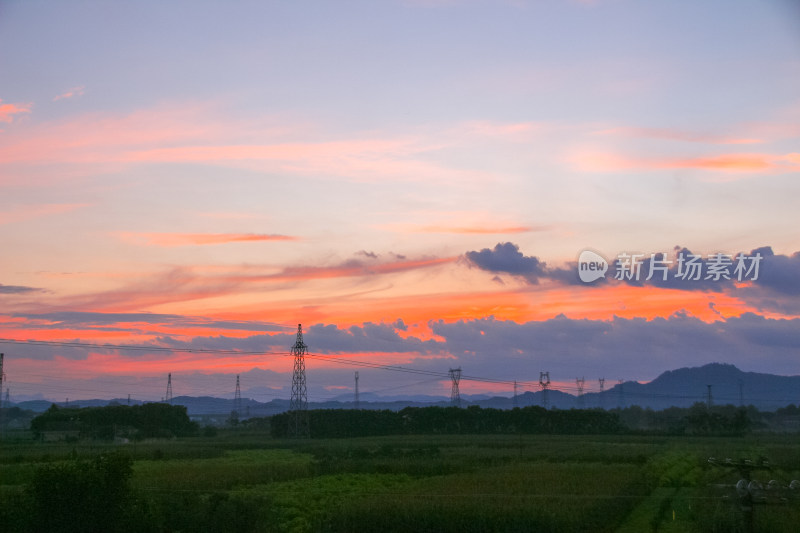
(591, 266)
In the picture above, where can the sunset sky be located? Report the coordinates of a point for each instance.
(412, 180)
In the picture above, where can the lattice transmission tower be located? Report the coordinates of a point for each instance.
(2, 378)
(298, 406)
(601, 396)
(455, 377)
(515, 403)
(580, 383)
(356, 401)
(544, 383)
(168, 396)
(237, 400)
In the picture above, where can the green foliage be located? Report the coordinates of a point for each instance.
(83, 496)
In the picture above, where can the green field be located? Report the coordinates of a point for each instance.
(247, 481)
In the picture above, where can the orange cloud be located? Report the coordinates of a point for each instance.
(190, 239)
(233, 286)
(7, 111)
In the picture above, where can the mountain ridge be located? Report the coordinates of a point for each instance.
(680, 387)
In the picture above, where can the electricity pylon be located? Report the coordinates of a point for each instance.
(298, 406)
(168, 397)
(237, 400)
(455, 377)
(356, 402)
(580, 383)
(544, 383)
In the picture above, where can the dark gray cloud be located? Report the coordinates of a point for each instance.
(629, 348)
(779, 273)
(506, 258)
(17, 289)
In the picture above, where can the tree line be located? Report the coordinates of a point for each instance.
(339, 423)
(133, 421)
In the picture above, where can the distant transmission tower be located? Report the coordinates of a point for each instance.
(2, 375)
(298, 406)
(455, 377)
(237, 399)
(544, 383)
(356, 402)
(168, 397)
(580, 382)
(516, 404)
(601, 398)
(741, 393)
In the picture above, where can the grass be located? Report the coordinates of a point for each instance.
(250, 482)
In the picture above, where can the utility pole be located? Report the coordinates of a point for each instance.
(601, 397)
(455, 377)
(544, 384)
(168, 396)
(298, 406)
(580, 382)
(356, 403)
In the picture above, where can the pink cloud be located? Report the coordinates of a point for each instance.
(75, 91)
(729, 163)
(31, 212)
(193, 239)
(193, 134)
(7, 111)
(475, 229)
(675, 135)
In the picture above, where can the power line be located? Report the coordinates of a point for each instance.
(443, 376)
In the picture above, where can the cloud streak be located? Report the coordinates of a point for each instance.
(675, 135)
(32, 212)
(724, 163)
(17, 289)
(200, 239)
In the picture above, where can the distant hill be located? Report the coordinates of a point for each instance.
(681, 388)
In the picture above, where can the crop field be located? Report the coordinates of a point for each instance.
(247, 481)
